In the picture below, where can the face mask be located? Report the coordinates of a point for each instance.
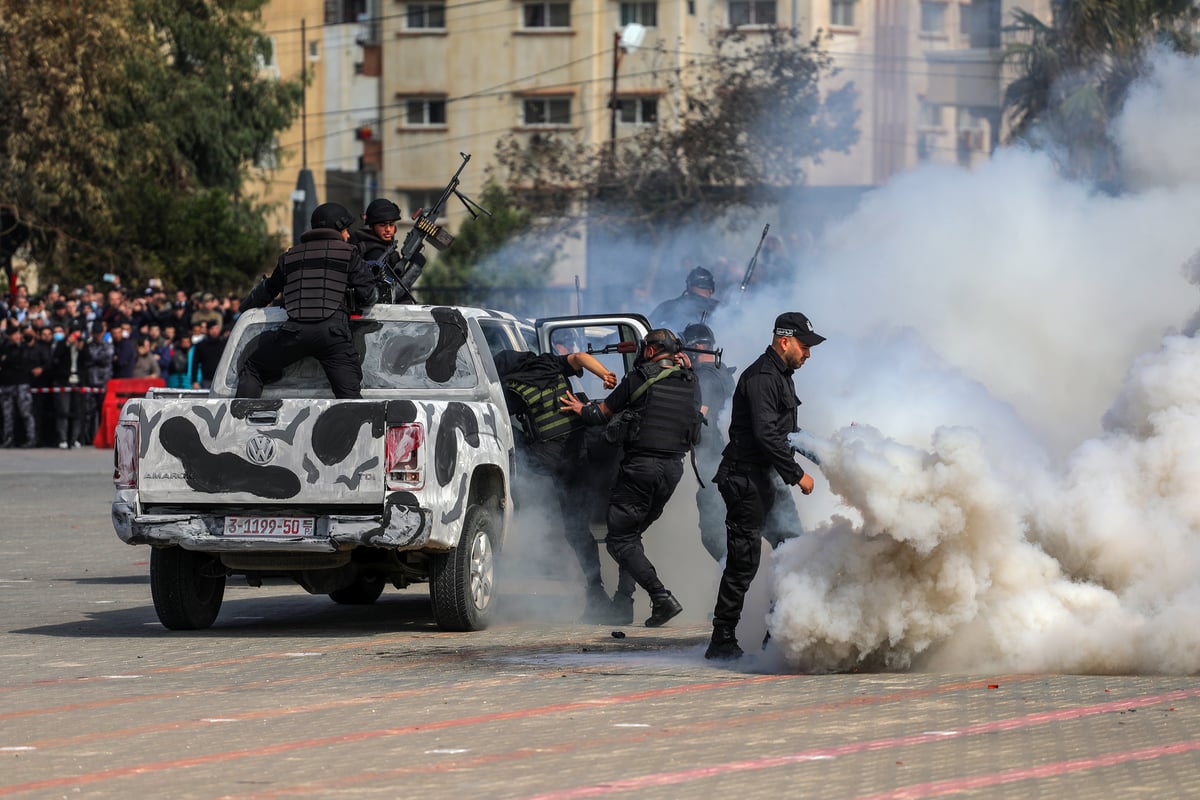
(59, 336)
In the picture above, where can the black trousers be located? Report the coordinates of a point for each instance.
(644, 485)
(328, 341)
(749, 494)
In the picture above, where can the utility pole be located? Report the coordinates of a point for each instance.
(304, 196)
(624, 41)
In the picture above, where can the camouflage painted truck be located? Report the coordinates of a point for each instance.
(410, 484)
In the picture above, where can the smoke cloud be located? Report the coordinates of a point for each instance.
(1007, 413)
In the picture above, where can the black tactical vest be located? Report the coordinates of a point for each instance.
(316, 276)
(546, 421)
(668, 414)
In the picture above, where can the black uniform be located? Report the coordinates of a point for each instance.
(666, 426)
(379, 254)
(764, 413)
(553, 446)
(314, 277)
(679, 312)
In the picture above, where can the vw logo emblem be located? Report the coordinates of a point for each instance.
(261, 449)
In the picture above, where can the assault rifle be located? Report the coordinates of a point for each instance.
(424, 229)
(632, 347)
(754, 260)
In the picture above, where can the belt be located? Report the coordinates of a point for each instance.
(743, 467)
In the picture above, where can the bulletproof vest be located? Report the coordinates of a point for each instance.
(542, 412)
(315, 278)
(668, 414)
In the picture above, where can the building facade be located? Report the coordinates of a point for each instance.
(399, 88)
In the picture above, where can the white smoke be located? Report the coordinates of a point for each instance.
(1016, 489)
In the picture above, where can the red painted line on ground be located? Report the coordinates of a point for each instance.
(329, 741)
(821, 753)
(376, 774)
(957, 785)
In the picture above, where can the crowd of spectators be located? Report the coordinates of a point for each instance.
(60, 350)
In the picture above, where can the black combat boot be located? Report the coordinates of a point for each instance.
(662, 608)
(724, 644)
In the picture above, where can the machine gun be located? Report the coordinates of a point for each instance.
(753, 261)
(424, 229)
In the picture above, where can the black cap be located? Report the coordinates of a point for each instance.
(331, 215)
(381, 210)
(700, 278)
(797, 326)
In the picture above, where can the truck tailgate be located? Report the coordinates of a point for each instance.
(261, 452)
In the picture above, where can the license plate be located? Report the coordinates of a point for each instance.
(270, 526)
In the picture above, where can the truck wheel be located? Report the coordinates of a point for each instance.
(462, 582)
(187, 587)
(364, 591)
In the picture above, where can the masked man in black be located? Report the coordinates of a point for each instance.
(315, 277)
(379, 248)
(659, 407)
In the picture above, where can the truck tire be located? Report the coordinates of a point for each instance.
(462, 582)
(187, 587)
(363, 592)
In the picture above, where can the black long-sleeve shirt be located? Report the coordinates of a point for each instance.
(764, 413)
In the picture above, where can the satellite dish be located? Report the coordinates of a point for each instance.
(631, 37)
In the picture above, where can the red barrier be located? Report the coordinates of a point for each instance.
(119, 390)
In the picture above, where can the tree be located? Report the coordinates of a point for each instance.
(1075, 72)
(741, 124)
(500, 250)
(128, 133)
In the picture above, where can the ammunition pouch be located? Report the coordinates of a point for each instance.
(624, 428)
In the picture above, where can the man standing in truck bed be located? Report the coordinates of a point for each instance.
(314, 277)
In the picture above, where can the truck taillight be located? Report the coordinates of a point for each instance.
(402, 465)
(125, 455)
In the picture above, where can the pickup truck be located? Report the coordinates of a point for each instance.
(410, 484)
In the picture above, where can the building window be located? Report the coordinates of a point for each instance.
(641, 13)
(638, 111)
(933, 17)
(842, 13)
(546, 15)
(339, 12)
(546, 111)
(413, 200)
(751, 12)
(422, 112)
(425, 15)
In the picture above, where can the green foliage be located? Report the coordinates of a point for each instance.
(735, 127)
(133, 127)
(490, 251)
(1074, 73)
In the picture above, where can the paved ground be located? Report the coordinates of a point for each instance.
(293, 696)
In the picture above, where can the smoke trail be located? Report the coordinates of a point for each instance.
(1016, 493)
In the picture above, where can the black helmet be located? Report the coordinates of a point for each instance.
(331, 215)
(700, 278)
(381, 210)
(699, 335)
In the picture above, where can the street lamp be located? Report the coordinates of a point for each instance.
(624, 41)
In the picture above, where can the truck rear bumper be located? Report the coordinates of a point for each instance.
(398, 528)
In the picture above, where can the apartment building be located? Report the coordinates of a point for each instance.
(401, 87)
